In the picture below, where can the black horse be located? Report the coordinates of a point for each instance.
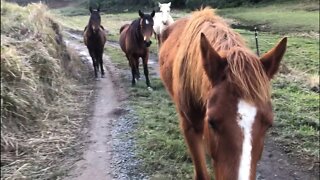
(135, 41)
(95, 38)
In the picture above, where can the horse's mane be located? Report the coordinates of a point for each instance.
(134, 30)
(244, 70)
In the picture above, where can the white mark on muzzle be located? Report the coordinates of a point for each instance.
(246, 117)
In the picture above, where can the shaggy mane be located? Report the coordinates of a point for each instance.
(244, 70)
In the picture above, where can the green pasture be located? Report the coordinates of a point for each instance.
(289, 16)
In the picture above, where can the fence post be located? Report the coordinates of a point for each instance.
(256, 37)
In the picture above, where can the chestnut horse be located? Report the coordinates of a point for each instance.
(94, 38)
(221, 90)
(134, 42)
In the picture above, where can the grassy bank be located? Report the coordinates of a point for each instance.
(288, 16)
(42, 82)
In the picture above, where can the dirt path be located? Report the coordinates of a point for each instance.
(109, 152)
(275, 164)
(97, 157)
(106, 153)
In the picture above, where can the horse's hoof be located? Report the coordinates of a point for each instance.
(150, 88)
(102, 75)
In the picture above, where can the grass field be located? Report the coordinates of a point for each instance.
(289, 16)
(296, 105)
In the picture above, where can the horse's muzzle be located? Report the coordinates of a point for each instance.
(147, 43)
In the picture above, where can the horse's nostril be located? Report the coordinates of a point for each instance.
(147, 43)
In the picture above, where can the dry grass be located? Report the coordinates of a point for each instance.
(40, 93)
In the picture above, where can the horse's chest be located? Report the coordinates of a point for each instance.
(95, 40)
(136, 50)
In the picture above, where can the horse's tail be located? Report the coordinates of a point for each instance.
(123, 27)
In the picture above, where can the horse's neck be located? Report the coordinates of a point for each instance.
(91, 34)
(136, 31)
(167, 18)
(170, 19)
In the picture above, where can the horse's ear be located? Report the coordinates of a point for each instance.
(153, 13)
(98, 9)
(212, 63)
(159, 4)
(90, 8)
(169, 4)
(141, 13)
(271, 60)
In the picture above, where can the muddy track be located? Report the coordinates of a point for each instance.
(110, 157)
(110, 146)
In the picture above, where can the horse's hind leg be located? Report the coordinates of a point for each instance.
(193, 136)
(145, 69)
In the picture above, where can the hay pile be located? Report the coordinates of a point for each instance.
(43, 103)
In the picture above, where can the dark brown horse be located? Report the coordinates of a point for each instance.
(134, 42)
(95, 38)
(221, 90)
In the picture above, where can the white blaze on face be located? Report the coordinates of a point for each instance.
(147, 22)
(246, 117)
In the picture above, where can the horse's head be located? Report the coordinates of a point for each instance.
(146, 24)
(165, 12)
(238, 109)
(95, 19)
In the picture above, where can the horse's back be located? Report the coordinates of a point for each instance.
(168, 49)
(124, 27)
(122, 39)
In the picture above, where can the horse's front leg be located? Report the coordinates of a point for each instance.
(145, 69)
(193, 134)
(94, 63)
(133, 69)
(101, 63)
(137, 68)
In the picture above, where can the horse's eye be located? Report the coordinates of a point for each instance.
(213, 123)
